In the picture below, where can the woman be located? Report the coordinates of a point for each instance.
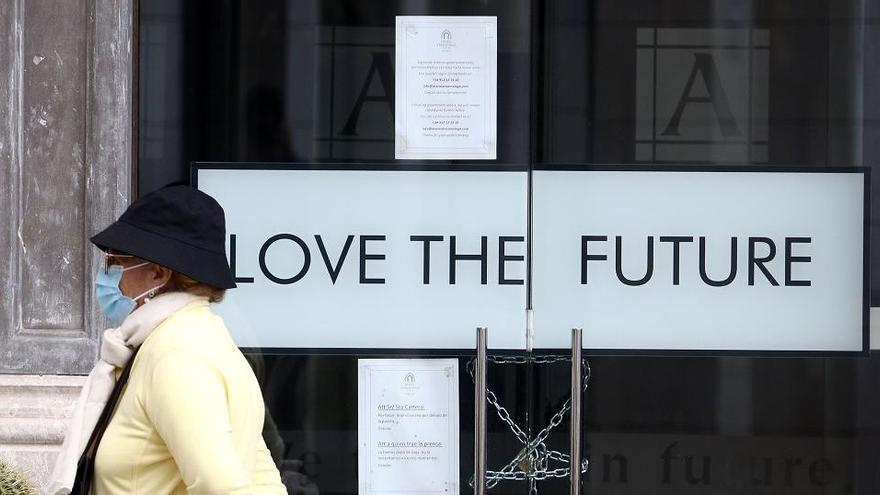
(190, 416)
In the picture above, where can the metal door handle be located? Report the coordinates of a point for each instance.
(480, 413)
(577, 342)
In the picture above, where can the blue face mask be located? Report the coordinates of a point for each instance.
(114, 304)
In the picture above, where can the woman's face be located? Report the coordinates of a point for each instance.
(138, 280)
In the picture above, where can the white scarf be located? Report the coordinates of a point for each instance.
(116, 350)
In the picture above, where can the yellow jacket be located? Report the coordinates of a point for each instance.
(190, 418)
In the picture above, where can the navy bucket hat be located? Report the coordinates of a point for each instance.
(178, 227)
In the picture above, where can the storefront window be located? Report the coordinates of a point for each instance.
(647, 85)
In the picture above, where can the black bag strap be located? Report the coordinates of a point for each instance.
(85, 467)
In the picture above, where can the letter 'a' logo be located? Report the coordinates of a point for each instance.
(702, 95)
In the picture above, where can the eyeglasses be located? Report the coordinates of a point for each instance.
(110, 258)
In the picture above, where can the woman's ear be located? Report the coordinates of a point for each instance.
(161, 274)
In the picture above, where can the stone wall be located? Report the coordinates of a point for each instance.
(65, 172)
(34, 411)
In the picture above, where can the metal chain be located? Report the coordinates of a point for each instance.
(535, 453)
(540, 359)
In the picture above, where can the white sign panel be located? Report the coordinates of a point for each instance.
(373, 258)
(408, 426)
(734, 261)
(445, 87)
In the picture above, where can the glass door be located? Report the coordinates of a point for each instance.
(286, 110)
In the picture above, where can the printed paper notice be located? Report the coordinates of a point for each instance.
(408, 426)
(445, 87)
